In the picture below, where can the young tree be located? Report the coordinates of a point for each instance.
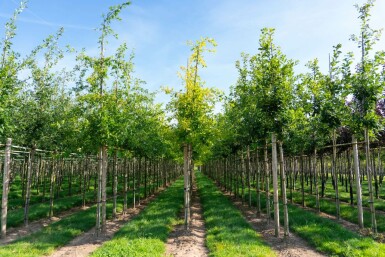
(367, 87)
(193, 110)
(95, 102)
(273, 77)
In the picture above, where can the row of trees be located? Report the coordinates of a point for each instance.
(97, 107)
(77, 109)
(271, 104)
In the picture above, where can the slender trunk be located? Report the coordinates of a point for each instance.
(104, 188)
(115, 187)
(316, 181)
(84, 178)
(302, 181)
(52, 186)
(275, 183)
(249, 171)
(350, 171)
(99, 191)
(28, 190)
(258, 185)
(4, 200)
(125, 189)
(284, 197)
(186, 186)
(335, 177)
(370, 185)
(242, 169)
(134, 182)
(358, 183)
(267, 184)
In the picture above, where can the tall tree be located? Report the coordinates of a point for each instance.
(95, 102)
(367, 89)
(273, 77)
(193, 109)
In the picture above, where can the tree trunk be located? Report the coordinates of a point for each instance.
(133, 181)
(28, 190)
(370, 186)
(335, 177)
(267, 184)
(104, 188)
(99, 191)
(316, 181)
(358, 183)
(258, 171)
(52, 185)
(284, 197)
(4, 200)
(186, 186)
(275, 183)
(115, 184)
(126, 171)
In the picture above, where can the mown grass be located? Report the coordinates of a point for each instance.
(56, 234)
(228, 233)
(147, 233)
(329, 237)
(41, 210)
(347, 212)
(344, 195)
(326, 235)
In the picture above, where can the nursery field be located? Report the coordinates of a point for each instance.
(279, 160)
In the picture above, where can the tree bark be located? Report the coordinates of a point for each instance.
(115, 187)
(370, 186)
(284, 197)
(358, 183)
(4, 200)
(275, 183)
(335, 177)
(28, 190)
(186, 186)
(104, 188)
(267, 184)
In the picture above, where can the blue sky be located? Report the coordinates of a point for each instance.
(157, 31)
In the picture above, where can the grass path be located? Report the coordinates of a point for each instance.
(327, 235)
(146, 234)
(228, 233)
(56, 234)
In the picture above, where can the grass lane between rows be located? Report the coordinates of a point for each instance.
(146, 234)
(57, 234)
(327, 235)
(228, 233)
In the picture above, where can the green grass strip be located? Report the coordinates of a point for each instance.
(57, 234)
(327, 235)
(41, 210)
(228, 233)
(147, 233)
(347, 212)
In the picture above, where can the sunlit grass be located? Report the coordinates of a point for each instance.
(147, 233)
(228, 233)
(56, 234)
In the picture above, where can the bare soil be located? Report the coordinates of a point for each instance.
(189, 243)
(18, 232)
(291, 246)
(88, 242)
